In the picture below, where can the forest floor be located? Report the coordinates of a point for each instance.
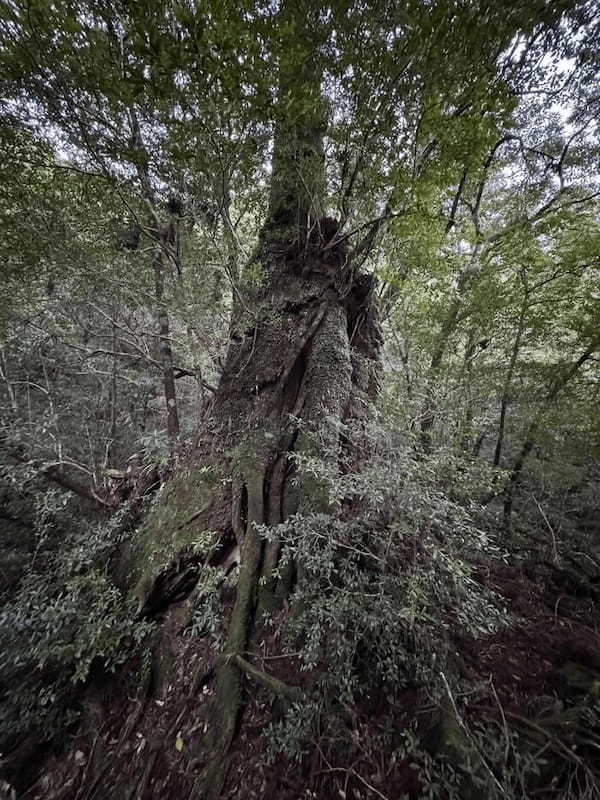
(556, 629)
(532, 676)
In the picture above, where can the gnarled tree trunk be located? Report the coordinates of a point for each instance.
(303, 359)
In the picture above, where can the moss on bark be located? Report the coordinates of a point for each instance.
(178, 521)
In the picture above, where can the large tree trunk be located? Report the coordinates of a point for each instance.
(303, 359)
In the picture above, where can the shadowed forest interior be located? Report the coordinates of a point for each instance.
(299, 399)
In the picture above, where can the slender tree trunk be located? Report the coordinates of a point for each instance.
(164, 344)
(453, 316)
(9, 387)
(478, 444)
(465, 380)
(507, 385)
(166, 243)
(428, 413)
(449, 326)
(531, 436)
(112, 396)
(515, 475)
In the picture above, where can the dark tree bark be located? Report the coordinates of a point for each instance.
(164, 345)
(304, 345)
(429, 410)
(165, 246)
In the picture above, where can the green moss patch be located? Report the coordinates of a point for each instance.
(177, 522)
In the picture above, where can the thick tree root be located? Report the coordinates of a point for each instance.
(279, 688)
(228, 700)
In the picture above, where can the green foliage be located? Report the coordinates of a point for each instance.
(385, 594)
(65, 619)
(383, 586)
(468, 134)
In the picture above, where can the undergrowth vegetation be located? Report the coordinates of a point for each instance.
(65, 618)
(383, 585)
(388, 587)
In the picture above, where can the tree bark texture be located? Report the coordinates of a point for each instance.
(164, 344)
(303, 359)
(504, 400)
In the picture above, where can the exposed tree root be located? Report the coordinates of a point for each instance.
(228, 701)
(279, 688)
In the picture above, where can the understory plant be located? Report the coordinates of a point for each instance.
(65, 619)
(384, 583)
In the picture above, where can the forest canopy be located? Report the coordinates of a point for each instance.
(299, 399)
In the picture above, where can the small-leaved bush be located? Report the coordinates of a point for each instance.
(384, 583)
(65, 618)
